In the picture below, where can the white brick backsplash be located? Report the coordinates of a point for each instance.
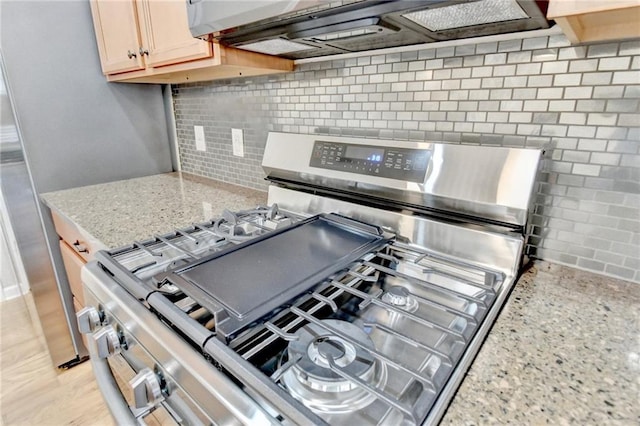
(596, 78)
(528, 69)
(608, 92)
(626, 77)
(573, 118)
(599, 119)
(542, 55)
(590, 105)
(553, 130)
(442, 74)
(555, 67)
(618, 63)
(581, 103)
(534, 43)
(592, 145)
(536, 105)
(581, 131)
(572, 52)
(511, 105)
(550, 93)
(539, 80)
(585, 65)
(567, 79)
(627, 120)
(581, 92)
(562, 105)
(623, 105)
(605, 159)
(515, 81)
(602, 50)
(520, 117)
(479, 94)
(519, 57)
(495, 59)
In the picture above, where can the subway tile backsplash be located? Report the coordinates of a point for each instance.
(579, 103)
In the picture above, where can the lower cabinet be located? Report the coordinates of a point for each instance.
(77, 248)
(73, 264)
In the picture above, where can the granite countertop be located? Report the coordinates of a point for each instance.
(118, 213)
(565, 348)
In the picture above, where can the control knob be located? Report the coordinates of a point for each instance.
(88, 319)
(107, 342)
(147, 389)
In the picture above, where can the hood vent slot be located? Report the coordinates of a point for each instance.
(467, 14)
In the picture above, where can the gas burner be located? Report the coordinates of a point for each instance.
(321, 377)
(400, 297)
(245, 225)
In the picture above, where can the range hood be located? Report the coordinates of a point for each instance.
(305, 29)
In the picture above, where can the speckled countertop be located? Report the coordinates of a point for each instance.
(564, 350)
(118, 213)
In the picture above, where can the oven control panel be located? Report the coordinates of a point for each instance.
(389, 162)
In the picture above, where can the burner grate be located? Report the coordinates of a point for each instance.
(420, 310)
(417, 310)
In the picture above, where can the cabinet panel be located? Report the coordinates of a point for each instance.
(587, 21)
(165, 33)
(73, 265)
(74, 237)
(116, 28)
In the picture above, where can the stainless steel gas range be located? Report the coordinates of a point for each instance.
(359, 295)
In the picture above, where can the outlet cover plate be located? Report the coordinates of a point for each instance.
(199, 132)
(237, 140)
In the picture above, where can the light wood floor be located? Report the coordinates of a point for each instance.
(32, 390)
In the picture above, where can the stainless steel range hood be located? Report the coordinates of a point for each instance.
(298, 29)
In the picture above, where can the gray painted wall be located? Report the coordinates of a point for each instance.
(77, 128)
(580, 103)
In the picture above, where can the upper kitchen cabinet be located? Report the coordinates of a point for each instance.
(117, 35)
(590, 20)
(166, 38)
(148, 41)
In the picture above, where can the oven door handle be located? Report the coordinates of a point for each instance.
(117, 405)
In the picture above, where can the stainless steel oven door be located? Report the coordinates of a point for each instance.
(145, 371)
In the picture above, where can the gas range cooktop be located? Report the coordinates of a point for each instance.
(348, 319)
(311, 310)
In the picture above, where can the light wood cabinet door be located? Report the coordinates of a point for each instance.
(116, 26)
(164, 29)
(73, 265)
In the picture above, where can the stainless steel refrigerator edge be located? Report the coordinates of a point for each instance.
(52, 302)
(76, 129)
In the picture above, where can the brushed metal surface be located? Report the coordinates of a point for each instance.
(472, 245)
(54, 304)
(491, 183)
(207, 16)
(478, 247)
(210, 389)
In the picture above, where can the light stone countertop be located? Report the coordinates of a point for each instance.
(564, 350)
(118, 213)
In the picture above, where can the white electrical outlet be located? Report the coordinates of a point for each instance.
(238, 142)
(199, 132)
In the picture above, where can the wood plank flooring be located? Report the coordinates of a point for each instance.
(32, 390)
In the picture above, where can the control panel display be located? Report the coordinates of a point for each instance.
(407, 164)
(364, 153)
